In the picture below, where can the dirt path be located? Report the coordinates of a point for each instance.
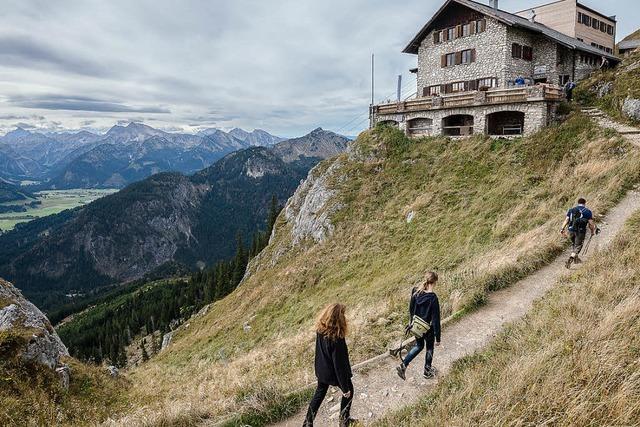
(379, 389)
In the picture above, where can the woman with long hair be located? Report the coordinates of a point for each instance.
(424, 304)
(332, 363)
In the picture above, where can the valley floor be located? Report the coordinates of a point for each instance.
(379, 390)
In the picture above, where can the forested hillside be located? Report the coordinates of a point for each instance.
(362, 230)
(166, 219)
(102, 331)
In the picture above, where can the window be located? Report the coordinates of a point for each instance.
(527, 53)
(563, 80)
(586, 19)
(516, 50)
(450, 33)
(457, 87)
(610, 29)
(580, 40)
(487, 82)
(467, 56)
(466, 30)
(595, 23)
(603, 27)
(451, 59)
(433, 90)
(436, 37)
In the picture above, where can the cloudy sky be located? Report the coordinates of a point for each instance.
(286, 66)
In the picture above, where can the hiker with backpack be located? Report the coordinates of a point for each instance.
(332, 363)
(424, 312)
(578, 219)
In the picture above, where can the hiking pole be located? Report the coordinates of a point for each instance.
(586, 246)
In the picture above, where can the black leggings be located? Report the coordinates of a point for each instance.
(318, 397)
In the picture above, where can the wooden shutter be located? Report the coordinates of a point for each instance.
(445, 35)
(443, 61)
(449, 88)
(425, 91)
(459, 31)
(443, 88)
(473, 85)
(458, 58)
(436, 37)
(472, 27)
(483, 25)
(473, 55)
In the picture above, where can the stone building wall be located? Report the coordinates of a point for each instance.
(490, 50)
(494, 59)
(537, 115)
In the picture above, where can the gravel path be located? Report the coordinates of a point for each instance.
(379, 389)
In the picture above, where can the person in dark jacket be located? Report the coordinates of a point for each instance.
(332, 363)
(578, 220)
(424, 304)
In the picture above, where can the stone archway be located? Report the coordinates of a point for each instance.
(419, 127)
(457, 125)
(502, 123)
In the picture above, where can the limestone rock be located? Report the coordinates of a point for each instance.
(113, 371)
(64, 375)
(166, 340)
(309, 209)
(605, 89)
(43, 345)
(631, 108)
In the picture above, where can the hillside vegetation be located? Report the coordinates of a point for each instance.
(573, 360)
(609, 89)
(362, 231)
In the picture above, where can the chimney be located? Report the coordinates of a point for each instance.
(532, 15)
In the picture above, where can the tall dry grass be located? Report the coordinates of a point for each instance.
(486, 213)
(573, 360)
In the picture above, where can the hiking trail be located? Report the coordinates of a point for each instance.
(379, 390)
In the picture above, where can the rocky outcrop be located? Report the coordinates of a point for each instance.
(18, 316)
(631, 108)
(309, 210)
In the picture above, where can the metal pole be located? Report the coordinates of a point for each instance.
(372, 78)
(399, 87)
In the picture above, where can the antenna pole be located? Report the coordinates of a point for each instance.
(399, 87)
(372, 78)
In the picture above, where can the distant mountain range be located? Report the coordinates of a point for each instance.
(164, 219)
(123, 155)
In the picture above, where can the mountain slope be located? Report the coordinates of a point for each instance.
(361, 230)
(581, 368)
(10, 193)
(166, 218)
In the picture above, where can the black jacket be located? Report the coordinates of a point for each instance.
(427, 307)
(332, 362)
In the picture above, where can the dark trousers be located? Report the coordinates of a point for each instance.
(577, 240)
(318, 397)
(429, 341)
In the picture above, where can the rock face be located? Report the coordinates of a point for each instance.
(309, 210)
(43, 345)
(631, 108)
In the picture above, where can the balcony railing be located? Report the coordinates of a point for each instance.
(467, 99)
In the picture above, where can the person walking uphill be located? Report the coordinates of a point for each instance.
(332, 363)
(578, 219)
(424, 307)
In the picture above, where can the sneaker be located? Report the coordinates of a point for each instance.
(429, 373)
(569, 262)
(401, 371)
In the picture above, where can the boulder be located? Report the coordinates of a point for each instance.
(64, 375)
(166, 340)
(631, 108)
(39, 341)
(605, 89)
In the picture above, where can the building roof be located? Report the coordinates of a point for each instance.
(629, 44)
(513, 21)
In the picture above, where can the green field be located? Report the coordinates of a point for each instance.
(53, 201)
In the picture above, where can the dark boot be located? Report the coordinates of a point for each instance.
(429, 373)
(401, 370)
(569, 262)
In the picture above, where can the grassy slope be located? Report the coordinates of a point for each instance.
(486, 213)
(625, 80)
(573, 360)
(30, 394)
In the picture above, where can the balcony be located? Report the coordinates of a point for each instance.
(496, 96)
